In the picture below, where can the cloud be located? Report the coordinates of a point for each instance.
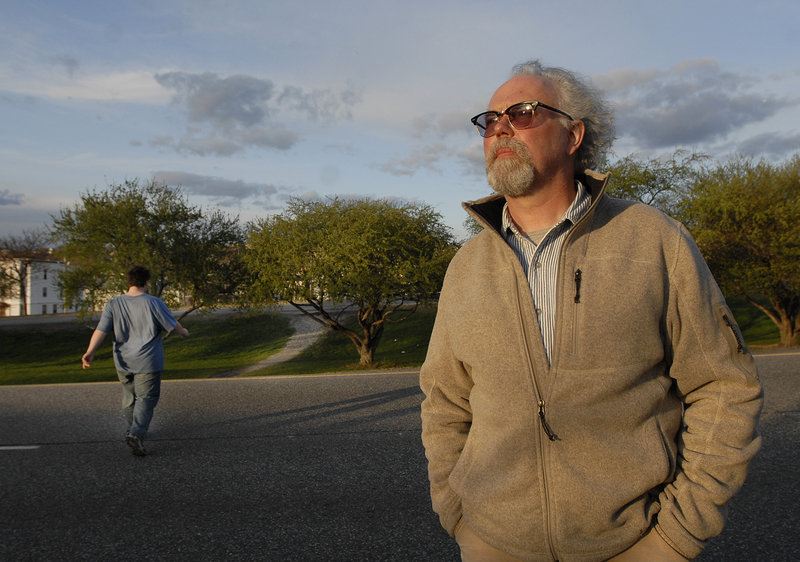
(118, 86)
(69, 63)
(457, 122)
(431, 158)
(226, 102)
(773, 146)
(694, 102)
(8, 198)
(15, 221)
(441, 124)
(622, 79)
(426, 157)
(319, 104)
(229, 114)
(229, 193)
(194, 143)
(474, 160)
(449, 124)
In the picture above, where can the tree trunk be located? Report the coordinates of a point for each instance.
(790, 337)
(23, 289)
(369, 343)
(366, 354)
(366, 341)
(784, 316)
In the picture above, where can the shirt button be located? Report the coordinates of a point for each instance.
(538, 311)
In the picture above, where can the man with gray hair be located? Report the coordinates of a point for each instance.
(588, 395)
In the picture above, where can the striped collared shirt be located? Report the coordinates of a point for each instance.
(540, 260)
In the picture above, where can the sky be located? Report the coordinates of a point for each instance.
(244, 104)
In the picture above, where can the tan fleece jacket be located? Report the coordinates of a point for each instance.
(578, 460)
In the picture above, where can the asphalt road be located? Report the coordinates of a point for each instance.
(300, 468)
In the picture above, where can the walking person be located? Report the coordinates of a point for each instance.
(138, 322)
(588, 395)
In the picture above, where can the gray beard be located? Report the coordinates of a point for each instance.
(511, 177)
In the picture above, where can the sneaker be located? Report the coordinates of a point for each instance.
(136, 445)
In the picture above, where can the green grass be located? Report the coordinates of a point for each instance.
(217, 344)
(403, 345)
(758, 330)
(52, 354)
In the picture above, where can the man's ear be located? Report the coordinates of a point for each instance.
(576, 132)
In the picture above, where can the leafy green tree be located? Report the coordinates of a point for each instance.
(472, 226)
(377, 258)
(16, 255)
(744, 217)
(660, 182)
(194, 257)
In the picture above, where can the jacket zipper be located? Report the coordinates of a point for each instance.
(546, 426)
(578, 280)
(739, 342)
(538, 394)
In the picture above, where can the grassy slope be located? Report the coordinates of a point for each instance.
(52, 354)
(223, 343)
(757, 328)
(403, 345)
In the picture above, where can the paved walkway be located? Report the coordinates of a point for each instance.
(306, 333)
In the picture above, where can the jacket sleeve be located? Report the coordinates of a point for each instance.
(716, 378)
(446, 419)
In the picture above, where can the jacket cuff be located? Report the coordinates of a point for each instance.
(689, 550)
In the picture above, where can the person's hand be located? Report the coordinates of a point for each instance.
(180, 330)
(86, 360)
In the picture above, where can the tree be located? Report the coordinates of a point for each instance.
(378, 258)
(16, 255)
(744, 217)
(194, 257)
(472, 226)
(660, 182)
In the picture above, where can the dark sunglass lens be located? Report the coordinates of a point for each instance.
(521, 116)
(487, 122)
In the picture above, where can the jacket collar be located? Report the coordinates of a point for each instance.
(488, 211)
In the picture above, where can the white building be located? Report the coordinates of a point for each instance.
(41, 293)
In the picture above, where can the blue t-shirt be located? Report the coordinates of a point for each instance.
(138, 324)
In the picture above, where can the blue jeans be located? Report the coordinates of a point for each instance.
(140, 394)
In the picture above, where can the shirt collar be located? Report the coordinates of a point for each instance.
(573, 213)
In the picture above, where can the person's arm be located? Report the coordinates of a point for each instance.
(715, 376)
(180, 330)
(166, 320)
(94, 344)
(446, 420)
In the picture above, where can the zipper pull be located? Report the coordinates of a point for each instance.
(578, 279)
(546, 426)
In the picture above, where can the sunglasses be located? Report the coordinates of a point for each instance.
(520, 116)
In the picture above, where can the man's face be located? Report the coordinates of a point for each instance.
(518, 160)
